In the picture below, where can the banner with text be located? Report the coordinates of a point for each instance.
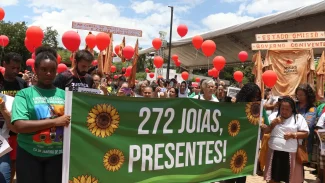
(118, 139)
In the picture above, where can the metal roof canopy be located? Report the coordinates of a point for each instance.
(230, 41)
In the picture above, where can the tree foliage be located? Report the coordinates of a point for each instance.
(50, 37)
(16, 34)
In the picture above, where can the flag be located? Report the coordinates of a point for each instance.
(258, 71)
(120, 54)
(112, 139)
(108, 56)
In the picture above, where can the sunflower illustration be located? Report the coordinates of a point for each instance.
(253, 112)
(238, 161)
(103, 120)
(84, 179)
(233, 128)
(113, 160)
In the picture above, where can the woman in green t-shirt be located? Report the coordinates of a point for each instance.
(38, 115)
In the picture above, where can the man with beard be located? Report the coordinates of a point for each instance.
(10, 84)
(78, 76)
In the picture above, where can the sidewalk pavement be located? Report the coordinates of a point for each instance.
(309, 178)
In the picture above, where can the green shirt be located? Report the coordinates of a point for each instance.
(33, 104)
(265, 117)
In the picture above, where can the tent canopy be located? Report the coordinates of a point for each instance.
(230, 41)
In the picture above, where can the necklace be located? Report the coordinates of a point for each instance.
(79, 77)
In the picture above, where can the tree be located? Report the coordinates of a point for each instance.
(65, 55)
(16, 34)
(50, 38)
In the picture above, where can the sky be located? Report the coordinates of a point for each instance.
(150, 16)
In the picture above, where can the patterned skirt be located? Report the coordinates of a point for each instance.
(291, 172)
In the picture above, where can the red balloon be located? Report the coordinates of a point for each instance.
(182, 30)
(2, 14)
(197, 79)
(151, 75)
(128, 70)
(147, 70)
(269, 78)
(219, 62)
(178, 63)
(215, 72)
(59, 58)
(71, 40)
(33, 55)
(103, 40)
(175, 58)
(208, 48)
(123, 69)
(2, 70)
(4, 40)
(113, 68)
(184, 75)
(117, 49)
(127, 74)
(34, 34)
(31, 47)
(115, 76)
(128, 52)
(62, 68)
(243, 56)
(30, 62)
(197, 42)
(91, 41)
(156, 43)
(210, 72)
(94, 62)
(158, 61)
(238, 76)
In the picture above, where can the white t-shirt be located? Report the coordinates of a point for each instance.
(277, 141)
(9, 101)
(271, 100)
(321, 121)
(213, 99)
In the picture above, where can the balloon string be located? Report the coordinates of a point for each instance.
(196, 54)
(208, 63)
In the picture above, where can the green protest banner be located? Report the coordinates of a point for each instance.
(119, 139)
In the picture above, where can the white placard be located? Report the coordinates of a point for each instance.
(232, 91)
(4, 146)
(288, 45)
(104, 28)
(89, 90)
(321, 136)
(290, 36)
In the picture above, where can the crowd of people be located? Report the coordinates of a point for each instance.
(37, 116)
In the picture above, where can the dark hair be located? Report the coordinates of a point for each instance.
(310, 94)
(161, 80)
(12, 56)
(153, 85)
(176, 91)
(292, 104)
(248, 92)
(122, 78)
(45, 52)
(84, 55)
